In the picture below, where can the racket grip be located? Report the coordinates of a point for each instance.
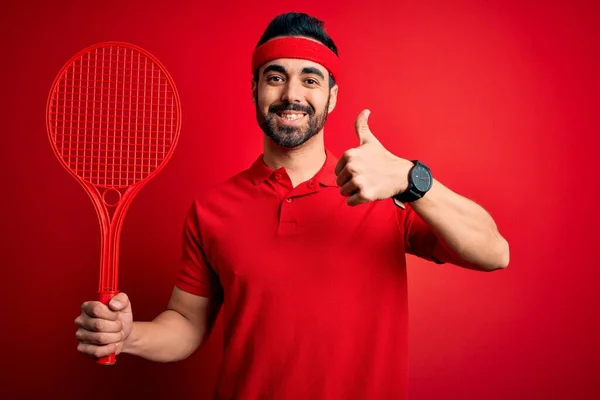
(104, 297)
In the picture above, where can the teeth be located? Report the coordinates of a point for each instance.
(292, 117)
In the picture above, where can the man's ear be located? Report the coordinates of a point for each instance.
(333, 92)
(254, 88)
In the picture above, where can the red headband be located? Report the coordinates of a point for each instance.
(295, 47)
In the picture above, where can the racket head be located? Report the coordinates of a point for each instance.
(113, 116)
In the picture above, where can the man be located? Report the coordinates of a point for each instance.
(304, 253)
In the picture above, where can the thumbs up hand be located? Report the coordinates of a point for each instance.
(370, 172)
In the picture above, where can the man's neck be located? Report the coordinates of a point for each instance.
(301, 163)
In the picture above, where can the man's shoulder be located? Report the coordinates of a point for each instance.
(232, 188)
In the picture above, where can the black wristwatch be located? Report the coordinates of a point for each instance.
(419, 183)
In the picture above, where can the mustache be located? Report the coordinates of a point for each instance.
(291, 107)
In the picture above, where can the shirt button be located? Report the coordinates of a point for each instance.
(289, 199)
(278, 176)
(311, 184)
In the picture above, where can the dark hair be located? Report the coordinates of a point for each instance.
(298, 24)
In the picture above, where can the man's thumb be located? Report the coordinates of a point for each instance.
(361, 125)
(119, 303)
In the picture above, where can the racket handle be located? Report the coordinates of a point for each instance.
(104, 297)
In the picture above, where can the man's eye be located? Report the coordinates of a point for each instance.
(312, 81)
(274, 78)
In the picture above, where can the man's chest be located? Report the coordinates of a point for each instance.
(304, 242)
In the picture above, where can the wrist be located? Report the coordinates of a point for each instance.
(131, 342)
(428, 200)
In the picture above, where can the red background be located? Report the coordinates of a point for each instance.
(499, 98)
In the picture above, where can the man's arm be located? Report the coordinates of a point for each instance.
(173, 335)
(469, 234)
(177, 332)
(370, 172)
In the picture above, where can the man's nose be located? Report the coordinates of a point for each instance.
(292, 92)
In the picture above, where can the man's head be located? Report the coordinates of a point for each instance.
(294, 89)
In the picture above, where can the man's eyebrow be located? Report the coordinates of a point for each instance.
(313, 70)
(305, 70)
(276, 68)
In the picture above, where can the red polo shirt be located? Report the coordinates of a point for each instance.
(314, 291)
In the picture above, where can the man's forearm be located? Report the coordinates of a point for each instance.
(169, 337)
(465, 227)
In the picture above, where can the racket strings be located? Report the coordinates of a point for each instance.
(114, 116)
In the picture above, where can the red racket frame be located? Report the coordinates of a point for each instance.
(111, 222)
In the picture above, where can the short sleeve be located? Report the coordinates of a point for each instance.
(420, 239)
(195, 274)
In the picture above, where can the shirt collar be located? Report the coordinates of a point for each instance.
(259, 171)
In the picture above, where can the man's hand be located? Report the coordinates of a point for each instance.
(370, 172)
(104, 329)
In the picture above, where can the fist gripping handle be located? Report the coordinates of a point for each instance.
(104, 297)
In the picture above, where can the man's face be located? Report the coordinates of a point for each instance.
(292, 99)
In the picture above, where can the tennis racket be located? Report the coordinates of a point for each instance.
(113, 118)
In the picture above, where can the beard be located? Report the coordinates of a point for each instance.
(291, 136)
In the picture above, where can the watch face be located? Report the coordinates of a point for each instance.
(421, 178)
